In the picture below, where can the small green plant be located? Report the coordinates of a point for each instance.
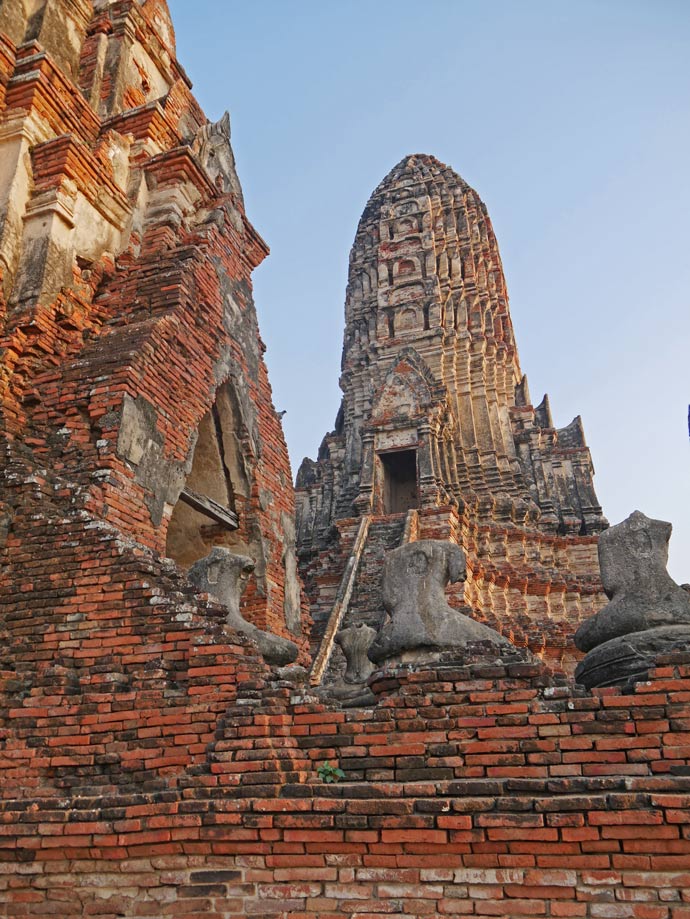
(328, 773)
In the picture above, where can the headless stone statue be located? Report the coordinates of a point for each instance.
(420, 620)
(224, 575)
(648, 613)
(633, 557)
(355, 641)
(351, 690)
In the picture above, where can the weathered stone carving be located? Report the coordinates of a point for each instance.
(294, 674)
(648, 613)
(633, 557)
(414, 581)
(355, 641)
(224, 575)
(212, 146)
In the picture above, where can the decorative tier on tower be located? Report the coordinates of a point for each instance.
(436, 436)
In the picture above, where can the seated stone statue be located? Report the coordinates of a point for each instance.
(355, 641)
(648, 612)
(420, 620)
(350, 690)
(224, 575)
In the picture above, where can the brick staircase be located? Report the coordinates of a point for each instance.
(366, 605)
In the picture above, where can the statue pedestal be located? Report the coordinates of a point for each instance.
(629, 658)
(452, 670)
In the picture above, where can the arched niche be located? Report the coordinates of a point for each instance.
(408, 226)
(407, 320)
(211, 505)
(402, 294)
(406, 268)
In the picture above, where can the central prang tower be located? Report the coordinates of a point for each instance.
(436, 435)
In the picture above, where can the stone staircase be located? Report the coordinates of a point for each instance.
(366, 605)
(365, 601)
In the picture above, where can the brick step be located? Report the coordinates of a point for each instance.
(366, 604)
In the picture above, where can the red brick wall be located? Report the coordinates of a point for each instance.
(474, 792)
(154, 322)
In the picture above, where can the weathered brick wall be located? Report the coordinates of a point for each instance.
(312, 877)
(126, 279)
(112, 673)
(468, 793)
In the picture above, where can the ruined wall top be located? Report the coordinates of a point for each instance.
(119, 53)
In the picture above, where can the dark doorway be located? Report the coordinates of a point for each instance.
(399, 481)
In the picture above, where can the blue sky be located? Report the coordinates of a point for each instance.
(571, 120)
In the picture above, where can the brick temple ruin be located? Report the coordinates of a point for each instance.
(175, 697)
(436, 435)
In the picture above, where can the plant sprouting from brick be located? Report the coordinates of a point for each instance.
(328, 773)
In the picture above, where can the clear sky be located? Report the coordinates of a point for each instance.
(571, 120)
